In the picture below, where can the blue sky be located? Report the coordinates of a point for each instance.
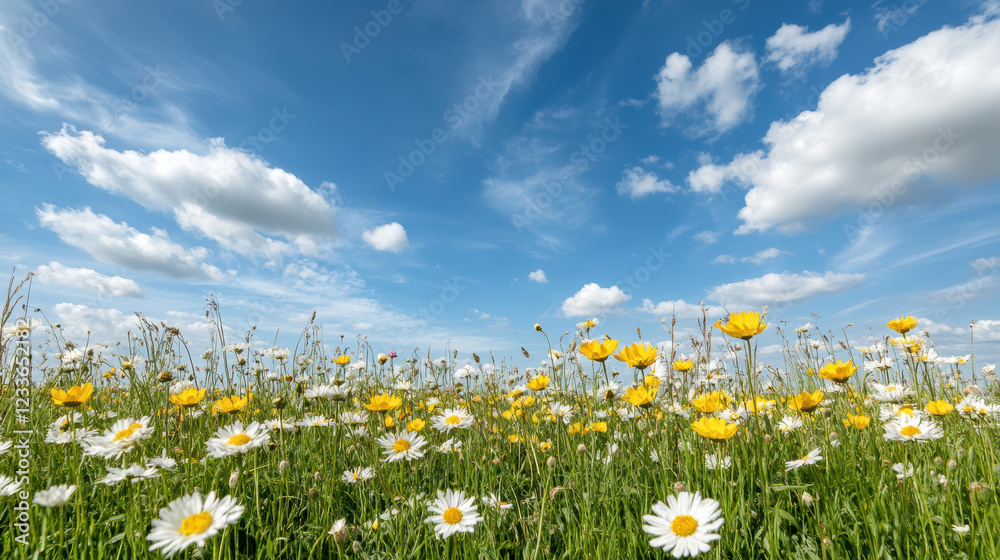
(450, 173)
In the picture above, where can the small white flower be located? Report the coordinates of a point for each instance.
(685, 525)
(453, 513)
(812, 458)
(54, 496)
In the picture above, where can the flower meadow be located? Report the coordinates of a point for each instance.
(611, 447)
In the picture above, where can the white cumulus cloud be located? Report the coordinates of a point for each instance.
(923, 118)
(785, 289)
(680, 309)
(118, 243)
(538, 276)
(595, 301)
(87, 279)
(723, 86)
(388, 237)
(794, 50)
(225, 194)
(637, 183)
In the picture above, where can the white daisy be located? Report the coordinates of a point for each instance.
(890, 393)
(315, 421)
(354, 417)
(450, 446)
(287, 424)
(453, 513)
(811, 459)
(135, 473)
(903, 471)
(60, 437)
(191, 520)
(359, 474)
(8, 486)
(451, 418)
(684, 525)
(494, 502)
(235, 439)
(119, 439)
(403, 445)
(789, 423)
(563, 411)
(911, 428)
(714, 461)
(54, 496)
(162, 462)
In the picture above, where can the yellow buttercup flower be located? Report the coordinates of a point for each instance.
(638, 355)
(74, 397)
(902, 325)
(651, 381)
(188, 397)
(683, 365)
(711, 402)
(575, 428)
(806, 401)
(858, 422)
(545, 446)
(745, 325)
(939, 408)
(715, 429)
(231, 405)
(838, 372)
(598, 350)
(539, 382)
(415, 425)
(383, 403)
(514, 438)
(640, 396)
(599, 427)
(342, 359)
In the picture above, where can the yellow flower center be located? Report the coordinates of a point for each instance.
(910, 431)
(453, 419)
(354, 476)
(239, 439)
(684, 525)
(804, 458)
(905, 410)
(127, 432)
(452, 515)
(195, 524)
(401, 445)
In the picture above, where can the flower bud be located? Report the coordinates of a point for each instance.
(551, 461)
(234, 477)
(282, 466)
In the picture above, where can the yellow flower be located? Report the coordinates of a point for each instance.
(599, 427)
(538, 383)
(745, 325)
(598, 350)
(576, 427)
(384, 402)
(838, 372)
(683, 365)
(806, 402)
(382, 358)
(342, 359)
(528, 401)
(651, 381)
(711, 402)
(74, 397)
(939, 408)
(715, 429)
(911, 345)
(389, 422)
(902, 325)
(859, 422)
(415, 425)
(640, 396)
(759, 405)
(545, 446)
(231, 405)
(638, 355)
(188, 397)
(514, 438)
